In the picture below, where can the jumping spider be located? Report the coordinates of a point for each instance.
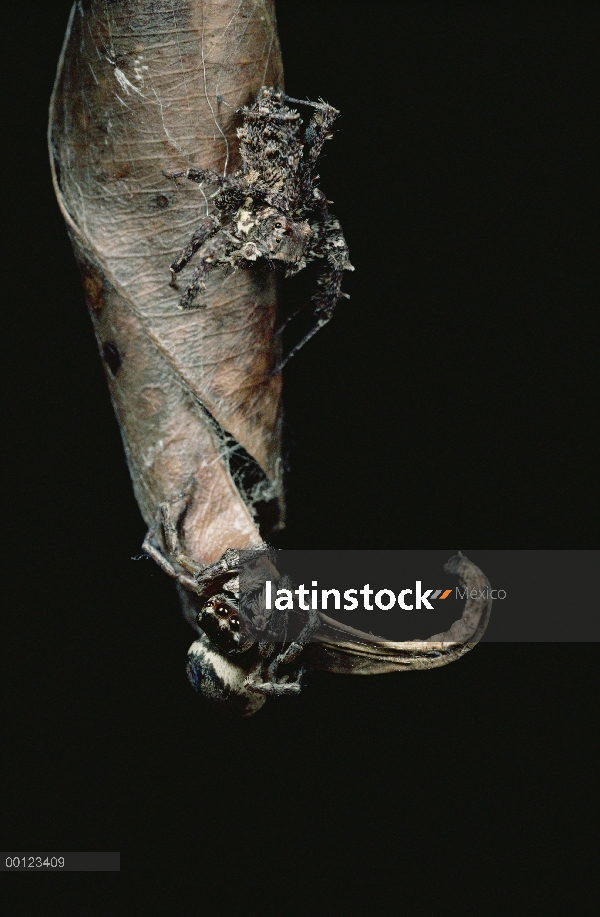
(233, 614)
(270, 209)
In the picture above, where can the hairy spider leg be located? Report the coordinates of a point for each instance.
(210, 253)
(268, 682)
(203, 580)
(172, 540)
(322, 321)
(198, 176)
(277, 688)
(218, 573)
(207, 228)
(211, 224)
(295, 648)
(317, 132)
(172, 544)
(274, 687)
(290, 318)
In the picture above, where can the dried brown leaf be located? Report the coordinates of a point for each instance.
(145, 89)
(142, 89)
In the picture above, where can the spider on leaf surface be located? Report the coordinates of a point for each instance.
(270, 210)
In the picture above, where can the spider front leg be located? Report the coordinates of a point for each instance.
(197, 175)
(175, 554)
(205, 580)
(265, 681)
(213, 251)
(318, 130)
(207, 228)
(172, 542)
(234, 185)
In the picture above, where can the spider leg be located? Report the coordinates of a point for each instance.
(207, 228)
(332, 246)
(168, 567)
(295, 648)
(173, 543)
(285, 323)
(210, 254)
(173, 548)
(214, 576)
(158, 557)
(263, 679)
(275, 687)
(203, 580)
(269, 682)
(197, 175)
(317, 132)
(237, 185)
(321, 322)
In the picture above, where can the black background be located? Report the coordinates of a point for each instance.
(447, 405)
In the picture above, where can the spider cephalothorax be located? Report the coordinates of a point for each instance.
(270, 210)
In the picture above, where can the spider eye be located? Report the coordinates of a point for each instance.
(218, 607)
(234, 623)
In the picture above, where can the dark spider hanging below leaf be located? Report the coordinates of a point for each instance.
(270, 209)
(233, 614)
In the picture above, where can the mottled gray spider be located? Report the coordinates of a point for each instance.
(233, 615)
(270, 210)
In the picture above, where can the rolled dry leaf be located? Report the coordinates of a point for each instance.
(145, 89)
